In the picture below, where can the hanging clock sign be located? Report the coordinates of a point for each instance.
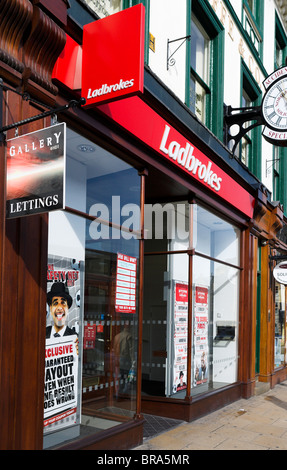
(274, 108)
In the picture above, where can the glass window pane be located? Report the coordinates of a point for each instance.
(164, 364)
(105, 7)
(214, 236)
(215, 325)
(199, 50)
(197, 99)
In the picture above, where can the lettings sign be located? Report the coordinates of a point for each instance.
(36, 172)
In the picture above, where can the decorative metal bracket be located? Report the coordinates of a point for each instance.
(272, 163)
(278, 258)
(170, 62)
(50, 112)
(245, 115)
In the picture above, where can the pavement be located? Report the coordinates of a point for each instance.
(259, 423)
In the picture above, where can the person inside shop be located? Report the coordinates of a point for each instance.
(59, 301)
(124, 356)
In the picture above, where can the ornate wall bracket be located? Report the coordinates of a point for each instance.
(245, 118)
(170, 61)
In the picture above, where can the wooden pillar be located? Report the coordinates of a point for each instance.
(143, 175)
(266, 340)
(247, 341)
(30, 43)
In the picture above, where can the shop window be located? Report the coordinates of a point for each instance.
(206, 67)
(215, 301)
(280, 325)
(93, 255)
(213, 289)
(164, 365)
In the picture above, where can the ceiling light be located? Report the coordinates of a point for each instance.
(86, 148)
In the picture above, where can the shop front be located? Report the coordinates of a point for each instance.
(155, 266)
(147, 273)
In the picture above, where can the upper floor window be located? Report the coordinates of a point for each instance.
(252, 20)
(104, 7)
(280, 45)
(199, 73)
(246, 140)
(205, 94)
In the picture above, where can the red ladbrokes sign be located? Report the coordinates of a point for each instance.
(113, 56)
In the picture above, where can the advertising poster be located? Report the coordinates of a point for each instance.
(180, 336)
(126, 279)
(62, 390)
(90, 331)
(36, 172)
(200, 335)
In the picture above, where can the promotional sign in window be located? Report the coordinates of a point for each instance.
(90, 331)
(62, 387)
(126, 284)
(200, 335)
(36, 172)
(180, 336)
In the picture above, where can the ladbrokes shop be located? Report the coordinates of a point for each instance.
(130, 245)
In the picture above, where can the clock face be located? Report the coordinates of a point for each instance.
(274, 105)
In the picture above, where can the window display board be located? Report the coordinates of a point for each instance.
(200, 341)
(62, 392)
(179, 322)
(126, 284)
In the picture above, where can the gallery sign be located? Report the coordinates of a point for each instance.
(36, 172)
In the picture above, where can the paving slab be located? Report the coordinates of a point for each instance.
(259, 423)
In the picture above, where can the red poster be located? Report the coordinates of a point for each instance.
(201, 295)
(181, 293)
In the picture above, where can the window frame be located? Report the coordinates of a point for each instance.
(215, 30)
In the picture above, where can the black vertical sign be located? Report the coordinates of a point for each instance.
(36, 172)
